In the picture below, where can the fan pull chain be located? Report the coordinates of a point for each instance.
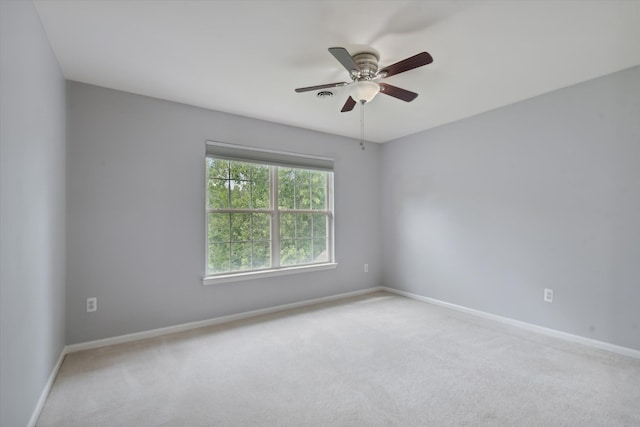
(362, 126)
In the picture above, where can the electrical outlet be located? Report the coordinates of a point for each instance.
(92, 304)
(548, 295)
(366, 268)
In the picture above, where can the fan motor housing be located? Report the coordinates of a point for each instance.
(368, 63)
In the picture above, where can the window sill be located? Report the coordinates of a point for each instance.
(237, 277)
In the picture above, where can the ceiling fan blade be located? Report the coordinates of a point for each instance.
(344, 57)
(348, 106)
(397, 92)
(328, 85)
(415, 61)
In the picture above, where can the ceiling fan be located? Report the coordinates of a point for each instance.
(364, 73)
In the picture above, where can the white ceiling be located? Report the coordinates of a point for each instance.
(246, 57)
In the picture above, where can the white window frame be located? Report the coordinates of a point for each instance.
(236, 152)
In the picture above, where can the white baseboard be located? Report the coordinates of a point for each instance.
(523, 325)
(47, 388)
(214, 321)
(248, 314)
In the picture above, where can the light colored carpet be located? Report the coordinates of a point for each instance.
(375, 360)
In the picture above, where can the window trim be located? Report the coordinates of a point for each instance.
(242, 153)
(261, 274)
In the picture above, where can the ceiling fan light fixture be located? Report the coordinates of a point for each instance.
(364, 91)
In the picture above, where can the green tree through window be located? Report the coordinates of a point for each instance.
(263, 216)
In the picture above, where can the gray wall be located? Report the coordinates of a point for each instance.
(32, 211)
(488, 211)
(136, 216)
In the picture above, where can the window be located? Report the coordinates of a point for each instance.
(266, 211)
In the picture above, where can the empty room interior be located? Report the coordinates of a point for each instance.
(319, 213)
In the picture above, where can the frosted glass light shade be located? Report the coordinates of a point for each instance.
(364, 90)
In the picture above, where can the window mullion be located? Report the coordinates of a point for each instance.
(230, 245)
(330, 219)
(275, 218)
